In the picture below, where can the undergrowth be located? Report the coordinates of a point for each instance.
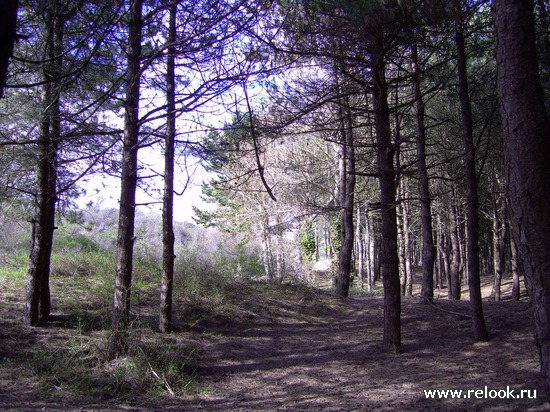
(217, 284)
(79, 370)
(377, 291)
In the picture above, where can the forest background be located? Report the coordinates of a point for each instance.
(363, 139)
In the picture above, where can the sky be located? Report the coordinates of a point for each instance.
(104, 191)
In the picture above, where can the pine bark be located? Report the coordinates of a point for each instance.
(360, 247)
(401, 248)
(514, 263)
(120, 323)
(280, 262)
(455, 290)
(371, 251)
(499, 248)
(267, 248)
(168, 254)
(428, 247)
(407, 250)
(346, 192)
(405, 243)
(527, 155)
(38, 301)
(389, 255)
(472, 197)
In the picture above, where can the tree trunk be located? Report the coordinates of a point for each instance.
(444, 253)
(454, 270)
(118, 344)
(266, 247)
(499, 248)
(347, 189)
(404, 235)
(38, 302)
(514, 263)
(389, 257)
(472, 199)
(371, 258)
(168, 254)
(527, 155)
(360, 248)
(280, 263)
(439, 267)
(401, 248)
(407, 243)
(428, 248)
(8, 34)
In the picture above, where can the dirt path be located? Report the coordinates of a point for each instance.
(334, 363)
(288, 352)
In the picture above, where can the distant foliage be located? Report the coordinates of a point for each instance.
(209, 259)
(336, 234)
(307, 241)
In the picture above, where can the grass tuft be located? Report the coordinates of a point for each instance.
(79, 371)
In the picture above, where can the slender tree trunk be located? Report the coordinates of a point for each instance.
(347, 189)
(118, 344)
(438, 268)
(38, 302)
(444, 253)
(527, 156)
(514, 262)
(456, 259)
(444, 261)
(454, 270)
(371, 264)
(267, 249)
(317, 241)
(401, 212)
(328, 243)
(389, 256)
(168, 254)
(280, 263)
(408, 260)
(428, 248)
(499, 248)
(405, 243)
(359, 239)
(472, 209)
(401, 248)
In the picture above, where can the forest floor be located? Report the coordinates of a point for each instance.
(291, 348)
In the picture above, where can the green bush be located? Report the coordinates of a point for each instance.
(66, 242)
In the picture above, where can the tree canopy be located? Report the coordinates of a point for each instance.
(380, 136)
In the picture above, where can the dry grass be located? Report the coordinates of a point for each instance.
(243, 345)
